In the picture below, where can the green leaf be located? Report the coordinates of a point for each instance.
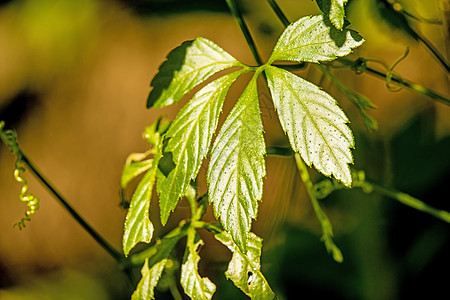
(134, 168)
(138, 227)
(334, 9)
(193, 284)
(314, 123)
(190, 139)
(149, 280)
(162, 248)
(245, 269)
(236, 169)
(187, 66)
(153, 132)
(314, 39)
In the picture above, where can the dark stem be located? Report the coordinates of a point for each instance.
(279, 12)
(245, 30)
(281, 151)
(94, 234)
(434, 51)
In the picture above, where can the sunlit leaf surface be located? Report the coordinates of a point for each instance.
(194, 285)
(314, 123)
(244, 269)
(237, 167)
(313, 39)
(189, 140)
(187, 66)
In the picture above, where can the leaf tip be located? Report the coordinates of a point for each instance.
(164, 217)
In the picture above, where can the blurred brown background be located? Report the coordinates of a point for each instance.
(74, 77)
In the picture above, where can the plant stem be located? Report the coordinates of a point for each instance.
(161, 248)
(245, 30)
(325, 223)
(410, 201)
(279, 12)
(359, 65)
(361, 103)
(9, 137)
(434, 51)
(281, 151)
(191, 196)
(94, 234)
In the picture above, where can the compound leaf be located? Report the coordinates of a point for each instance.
(193, 284)
(236, 169)
(187, 66)
(314, 123)
(150, 277)
(189, 140)
(314, 39)
(245, 269)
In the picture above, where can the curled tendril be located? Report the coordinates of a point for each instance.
(31, 201)
(9, 137)
(391, 71)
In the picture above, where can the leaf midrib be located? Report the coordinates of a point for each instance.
(316, 126)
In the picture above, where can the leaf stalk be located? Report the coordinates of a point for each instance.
(325, 223)
(245, 30)
(281, 16)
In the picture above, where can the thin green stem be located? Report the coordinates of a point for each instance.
(279, 12)
(174, 290)
(162, 247)
(361, 103)
(92, 232)
(325, 223)
(281, 151)
(245, 30)
(360, 66)
(410, 201)
(291, 67)
(326, 187)
(191, 196)
(9, 138)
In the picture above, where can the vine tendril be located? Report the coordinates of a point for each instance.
(391, 71)
(9, 137)
(31, 201)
